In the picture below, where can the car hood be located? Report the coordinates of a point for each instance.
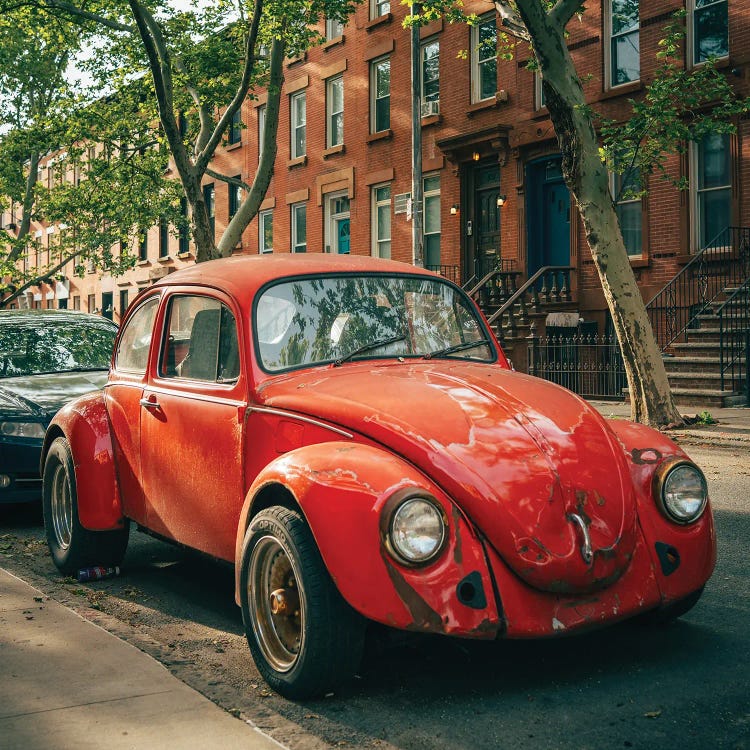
(531, 464)
(40, 396)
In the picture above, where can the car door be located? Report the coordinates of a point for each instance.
(192, 423)
(123, 393)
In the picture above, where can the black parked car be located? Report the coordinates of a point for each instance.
(47, 358)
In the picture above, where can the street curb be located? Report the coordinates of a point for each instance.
(722, 439)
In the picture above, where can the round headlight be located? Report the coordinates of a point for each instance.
(22, 429)
(684, 493)
(417, 531)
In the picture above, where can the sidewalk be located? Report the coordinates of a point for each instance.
(67, 684)
(731, 428)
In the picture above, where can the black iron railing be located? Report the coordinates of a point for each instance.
(453, 273)
(485, 267)
(588, 365)
(734, 339)
(724, 262)
(547, 285)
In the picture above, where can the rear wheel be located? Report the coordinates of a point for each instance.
(73, 547)
(305, 639)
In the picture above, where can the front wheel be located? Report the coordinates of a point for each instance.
(665, 615)
(305, 639)
(72, 547)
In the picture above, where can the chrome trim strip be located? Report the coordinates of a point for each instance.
(299, 417)
(186, 394)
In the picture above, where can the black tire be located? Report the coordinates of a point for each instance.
(310, 640)
(72, 547)
(665, 615)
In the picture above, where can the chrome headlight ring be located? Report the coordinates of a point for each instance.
(680, 491)
(414, 528)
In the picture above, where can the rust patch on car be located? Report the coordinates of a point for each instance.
(647, 456)
(458, 555)
(423, 615)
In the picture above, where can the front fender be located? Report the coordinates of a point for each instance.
(695, 544)
(85, 425)
(343, 489)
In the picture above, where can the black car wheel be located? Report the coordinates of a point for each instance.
(72, 546)
(305, 639)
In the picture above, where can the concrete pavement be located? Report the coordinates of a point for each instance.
(730, 427)
(67, 684)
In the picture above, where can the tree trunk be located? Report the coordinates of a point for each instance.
(587, 177)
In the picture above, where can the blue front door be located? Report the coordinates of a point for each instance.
(342, 236)
(548, 215)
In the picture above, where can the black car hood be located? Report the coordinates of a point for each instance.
(40, 396)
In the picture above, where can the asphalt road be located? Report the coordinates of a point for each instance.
(683, 686)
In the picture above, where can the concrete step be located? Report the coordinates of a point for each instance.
(703, 398)
(700, 349)
(702, 381)
(692, 364)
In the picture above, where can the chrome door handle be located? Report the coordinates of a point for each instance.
(150, 403)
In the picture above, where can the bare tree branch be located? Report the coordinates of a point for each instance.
(510, 20)
(563, 11)
(229, 180)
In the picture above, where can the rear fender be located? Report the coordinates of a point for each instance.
(85, 425)
(695, 544)
(343, 490)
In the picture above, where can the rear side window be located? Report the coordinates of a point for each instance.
(201, 341)
(135, 341)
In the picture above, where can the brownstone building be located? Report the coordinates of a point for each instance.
(494, 196)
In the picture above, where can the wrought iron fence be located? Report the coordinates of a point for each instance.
(724, 262)
(452, 273)
(734, 340)
(587, 364)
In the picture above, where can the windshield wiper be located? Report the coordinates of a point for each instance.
(456, 348)
(367, 347)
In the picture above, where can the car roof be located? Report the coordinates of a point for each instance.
(41, 318)
(242, 275)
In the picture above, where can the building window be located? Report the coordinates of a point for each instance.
(184, 241)
(235, 196)
(91, 303)
(335, 111)
(380, 95)
(337, 223)
(430, 78)
(431, 188)
(708, 29)
(163, 238)
(265, 231)
(298, 121)
(299, 228)
(626, 192)
(261, 127)
(713, 189)
(76, 303)
(484, 59)
(334, 29)
(379, 8)
(381, 221)
(539, 99)
(235, 127)
(123, 302)
(209, 198)
(143, 245)
(623, 26)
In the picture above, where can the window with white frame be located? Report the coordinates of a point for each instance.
(261, 127)
(484, 59)
(335, 111)
(712, 189)
(626, 193)
(381, 221)
(431, 228)
(380, 95)
(265, 231)
(235, 196)
(708, 29)
(379, 8)
(298, 106)
(430, 67)
(624, 52)
(235, 127)
(299, 227)
(209, 198)
(539, 100)
(334, 29)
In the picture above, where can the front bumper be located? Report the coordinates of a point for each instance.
(19, 462)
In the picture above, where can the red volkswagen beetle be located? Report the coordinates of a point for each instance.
(349, 434)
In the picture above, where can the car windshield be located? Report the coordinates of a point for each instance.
(34, 347)
(309, 321)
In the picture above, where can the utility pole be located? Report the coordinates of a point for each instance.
(416, 143)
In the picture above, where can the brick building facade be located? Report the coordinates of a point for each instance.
(492, 181)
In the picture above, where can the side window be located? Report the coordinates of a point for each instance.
(201, 342)
(135, 341)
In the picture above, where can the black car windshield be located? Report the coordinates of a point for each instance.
(309, 321)
(32, 347)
